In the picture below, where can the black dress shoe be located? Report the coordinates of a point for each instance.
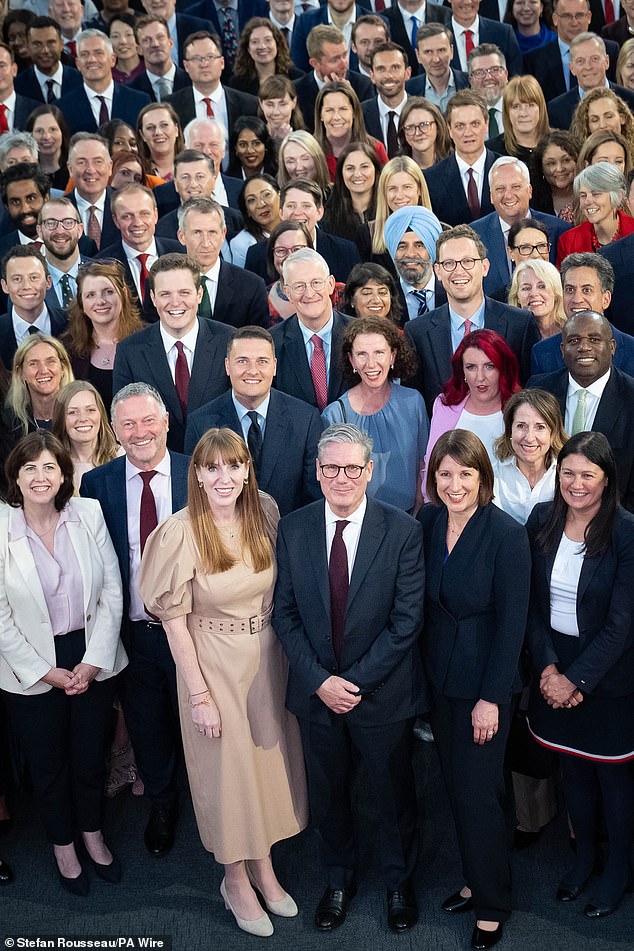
(76, 886)
(6, 875)
(457, 903)
(599, 911)
(333, 907)
(160, 830)
(481, 940)
(567, 893)
(402, 910)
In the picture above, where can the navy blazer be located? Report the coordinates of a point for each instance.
(340, 254)
(384, 614)
(293, 370)
(167, 197)
(143, 84)
(372, 119)
(545, 65)
(417, 85)
(475, 608)
(238, 104)
(448, 197)
(399, 33)
(562, 108)
(8, 343)
(107, 484)
(431, 336)
(126, 105)
(614, 418)
(491, 31)
(307, 90)
(141, 357)
(187, 23)
(620, 254)
(289, 448)
(546, 356)
(241, 298)
(491, 233)
(604, 665)
(116, 251)
(26, 83)
(23, 109)
(304, 24)
(109, 231)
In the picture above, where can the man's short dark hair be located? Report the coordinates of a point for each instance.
(202, 35)
(250, 333)
(174, 262)
(44, 23)
(187, 156)
(303, 185)
(390, 47)
(602, 268)
(23, 251)
(24, 172)
(428, 30)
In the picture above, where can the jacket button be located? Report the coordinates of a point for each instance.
(88, 617)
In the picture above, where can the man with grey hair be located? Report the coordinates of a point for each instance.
(90, 167)
(231, 295)
(511, 190)
(589, 63)
(348, 612)
(308, 344)
(99, 99)
(136, 492)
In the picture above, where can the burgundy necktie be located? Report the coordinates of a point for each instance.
(379, 6)
(103, 111)
(609, 12)
(472, 196)
(339, 584)
(468, 42)
(210, 111)
(181, 377)
(4, 124)
(148, 520)
(142, 259)
(71, 47)
(392, 135)
(318, 371)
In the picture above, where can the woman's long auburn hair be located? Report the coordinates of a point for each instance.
(223, 445)
(79, 336)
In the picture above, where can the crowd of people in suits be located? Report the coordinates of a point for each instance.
(317, 365)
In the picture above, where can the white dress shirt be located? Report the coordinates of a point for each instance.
(135, 265)
(22, 328)
(83, 207)
(94, 98)
(461, 42)
(478, 172)
(594, 392)
(384, 112)
(9, 102)
(350, 534)
(161, 486)
(43, 79)
(171, 351)
(213, 276)
(512, 491)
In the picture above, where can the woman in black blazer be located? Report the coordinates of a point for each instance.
(580, 639)
(476, 603)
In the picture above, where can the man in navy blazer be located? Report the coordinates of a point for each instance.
(390, 71)
(151, 354)
(465, 17)
(150, 703)
(305, 23)
(348, 612)
(98, 94)
(236, 103)
(588, 347)
(47, 78)
(284, 442)
(161, 76)
(545, 63)
(402, 32)
(620, 255)
(437, 335)
(26, 264)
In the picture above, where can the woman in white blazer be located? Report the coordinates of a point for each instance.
(60, 617)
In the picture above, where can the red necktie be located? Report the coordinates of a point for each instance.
(71, 47)
(148, 519)
(468, 42)
(181, 377)
(472, 196)
(142, 259)
(318, 371)
(210, 111)
(4, 125)
(468, 324)
(609, 12)
(379, 6)
(339, 584)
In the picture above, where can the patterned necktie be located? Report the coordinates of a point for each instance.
(339, 584)
(50, 90)
(208, 106)
(472, 196)
(4, 125)
(145, 274)
(392, 135)
(181, 377)
(579, 419)
(254, 440)
(229, 38)
(104, 115)
(468, 42)
(318, 371)
(148, 519)
(162, 88)
(94, 228)
(67, 291)
(204, 308)
(494, 128)
(421, 297)
(468, 324)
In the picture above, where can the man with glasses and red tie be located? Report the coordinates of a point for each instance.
(461, 265)
(136, 492)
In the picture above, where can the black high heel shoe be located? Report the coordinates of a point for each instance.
(76, 886)
(109, 873)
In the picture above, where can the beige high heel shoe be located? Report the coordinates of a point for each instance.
(283, 907)
(260, 927)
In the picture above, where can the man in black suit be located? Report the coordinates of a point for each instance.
(302, 200)
(90, 167)
(308, 344)
(25, 279)
(461, 264)
(348, 612)
(488, 76)
(134, 214)
(438, 81)
(328, 56)
(150, 703)
(162, 76)
(589, 63)
(368, 32)
(282, 432)
(459, 185)
(180, 25)
(230, 294)
(404, 30)
(181, 356)
(47, 79)
(390, 72)
(207, 98)
(14, 108)
(588, 348)
(471, 30)
(336, 13)
(99, 99)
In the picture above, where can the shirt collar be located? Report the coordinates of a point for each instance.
(283, 26)
(57, 76)
(384, 108)
(22, 325)
(325, 333)
(83, 205)
(155, 78)
(476, 318)
(107, 94)
(596, 388)
(9, 102)
(477, 166)
(18, 527)
(188, 340)
(419, 13)
(213, 274)
(56, 274)
(132, 253)
(356, 517)
(261, 410)
(163, 467)
(459, 29)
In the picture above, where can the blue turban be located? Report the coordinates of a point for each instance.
(414, 218)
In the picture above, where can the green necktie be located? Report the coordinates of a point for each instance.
(494, 128)
(579, 419)
(67, 291)
(204, 308)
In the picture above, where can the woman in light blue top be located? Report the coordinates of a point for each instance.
(374, 355)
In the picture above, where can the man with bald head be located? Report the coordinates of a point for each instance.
(593, 394)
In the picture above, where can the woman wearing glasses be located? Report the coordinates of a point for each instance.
(600, 190)
(422, 132)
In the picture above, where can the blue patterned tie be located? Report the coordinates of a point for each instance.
(421, 297)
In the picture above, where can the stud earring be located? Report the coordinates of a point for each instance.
(200, 485)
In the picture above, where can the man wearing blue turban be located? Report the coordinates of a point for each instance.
(410, 237)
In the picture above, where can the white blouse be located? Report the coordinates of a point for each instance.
(564, 582)
(512, 490)
(487, 428)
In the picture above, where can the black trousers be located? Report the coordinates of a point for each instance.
(386, 752)
(64, 741)
(150, 707)
(474, 778)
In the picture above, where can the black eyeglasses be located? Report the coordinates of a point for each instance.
(527, 249)
(331, 471)
(467, 264)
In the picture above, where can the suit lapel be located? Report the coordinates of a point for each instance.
(296, 360)
(370, 539)
(203, 362)
(224, 291)
(608, 409)
(315, 531)
(274, 438)
(439, 336)
(79, 539)
(158, 368)
(21, 552)
(335, 377)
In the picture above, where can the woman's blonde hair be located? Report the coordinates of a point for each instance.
(626, 50)
(547, 273)
(18, 398)
(522, 89)
(106, 445)
(310, 144)
(223, 445)
(402, 163)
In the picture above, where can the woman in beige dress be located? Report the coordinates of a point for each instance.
(208, 573)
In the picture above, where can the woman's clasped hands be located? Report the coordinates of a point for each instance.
(557, 690)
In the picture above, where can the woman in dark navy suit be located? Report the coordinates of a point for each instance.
(477, 562)
(580, 638)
